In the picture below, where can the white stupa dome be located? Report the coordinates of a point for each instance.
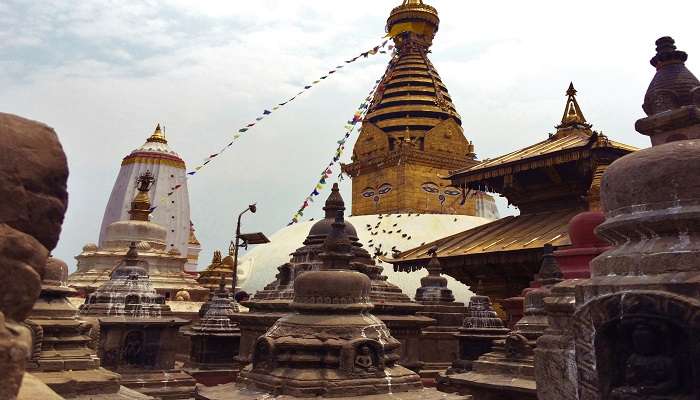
(258, 267)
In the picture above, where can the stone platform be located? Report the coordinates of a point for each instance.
(230, 391)
(488, 387)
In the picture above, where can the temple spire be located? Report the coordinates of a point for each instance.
(573, 116)
(157, 136)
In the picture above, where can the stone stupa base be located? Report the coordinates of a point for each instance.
(232, 392)
(327, 383)
(488, 386)
(164, 385)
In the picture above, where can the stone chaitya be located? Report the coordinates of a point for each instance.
(391, 306)
(214, 340)
(330, 345)
(138, 332)
(165, 265)
(438, 344)
(480, 328)
(62, 356)
(555, 351)
(508, 372)
(637, 320)
(33, 173)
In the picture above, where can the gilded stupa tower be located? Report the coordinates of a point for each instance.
(412, 133)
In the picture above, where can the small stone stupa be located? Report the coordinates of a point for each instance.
(508, 371)
(480, 328)
(61, 356)
(214, 341)
(391, 305)
(438, 343)
(330, 345)
(138, 332)
(637, 321)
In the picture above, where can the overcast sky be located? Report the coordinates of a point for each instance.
(103, 73)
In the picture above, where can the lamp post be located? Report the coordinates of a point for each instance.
(243, 240)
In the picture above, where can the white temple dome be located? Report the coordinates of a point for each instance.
(258, 267)
(121, 233)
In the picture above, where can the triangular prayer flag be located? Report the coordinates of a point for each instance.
(307, 87)
(315, 193)
(324, 77)
(206, 163)
(169, 194)
(236, 136)
(331, 72)
(315, 82)
(229, 145)
(267, 112)
(253, 124)
(213, 155)
(342, 141)
(281, 104)
(192, 173)
(259, 119)
(242, 130)
(198, 168)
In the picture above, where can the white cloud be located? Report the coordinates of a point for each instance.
(103, 73)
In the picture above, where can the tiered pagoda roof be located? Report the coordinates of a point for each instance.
(550, 182)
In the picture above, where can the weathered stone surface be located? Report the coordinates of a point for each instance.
(330, 345)
(231, 392)
(33, 174)
(637, 318)
(34, 389)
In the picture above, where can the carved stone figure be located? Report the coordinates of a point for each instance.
(364, 359)
(648, 372)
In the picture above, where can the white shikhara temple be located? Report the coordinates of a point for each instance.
(170, 211)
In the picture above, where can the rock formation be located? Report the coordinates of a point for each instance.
(33, 174)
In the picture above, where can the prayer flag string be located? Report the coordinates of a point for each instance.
(268, 111)
(379, 49)
(357, 118)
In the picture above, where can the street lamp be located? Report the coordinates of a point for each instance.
(243, 240)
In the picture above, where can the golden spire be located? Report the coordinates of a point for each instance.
(157, 136)
(573, 117)
(413, 18)
(141, 205)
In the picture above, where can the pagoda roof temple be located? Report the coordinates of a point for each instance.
(550, 182)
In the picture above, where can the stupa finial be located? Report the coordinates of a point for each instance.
(549, 273)
(157, 136)
(573, 116)
(141, 205)
(337, 249)
(334, 202)
(434, 267)
(216, 258)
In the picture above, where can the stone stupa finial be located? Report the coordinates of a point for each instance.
(141, 205)
(549, 273)
(337, 249)
(334, 203)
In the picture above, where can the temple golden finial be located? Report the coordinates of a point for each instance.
(414, 18)
(157, 136)
(141, 205)
(573, 116)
